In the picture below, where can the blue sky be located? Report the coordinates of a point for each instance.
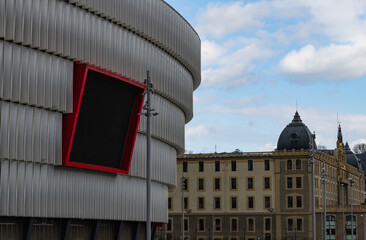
(261, 57)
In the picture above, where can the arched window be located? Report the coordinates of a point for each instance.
(289, 165)
(298, 164)
(330, 226)
(349, 227)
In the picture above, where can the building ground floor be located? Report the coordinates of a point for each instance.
(266, 226)
(47, 229)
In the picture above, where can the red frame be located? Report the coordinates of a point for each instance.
(69, 121)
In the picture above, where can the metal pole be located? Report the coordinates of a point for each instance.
(148, 161)
(343, 226)
(364, 229)
(313, 181)
(148, 114)
(182, 204)
(213, 222)
(350, 186)
(324, 200)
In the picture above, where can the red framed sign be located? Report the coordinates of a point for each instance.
(100, 134)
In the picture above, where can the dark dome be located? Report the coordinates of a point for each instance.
(352, 159)
(296, 135)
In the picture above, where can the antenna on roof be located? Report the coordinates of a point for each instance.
(296, 105)
(215, 148)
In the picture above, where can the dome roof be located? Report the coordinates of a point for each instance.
(352, 159)
(296, 135)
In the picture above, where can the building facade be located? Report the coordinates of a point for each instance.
(267, 195)
(72, 145)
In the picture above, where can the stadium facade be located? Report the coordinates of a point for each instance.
(72, 147)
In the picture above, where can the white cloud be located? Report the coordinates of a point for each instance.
(197, 131)
(333, 63)
(222, 18)
(235, 68)
(211, 52)
(268, 147)
(357, 141)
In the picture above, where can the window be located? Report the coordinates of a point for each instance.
(185, 166)
(185, 184)
(217, 183)
(289, 201)
(250, 202)
(299, 224)
(201, 203)
(290, 224)
(250, 224)
(250, 165)
(200, 166)
(217, 203)
(217, 166)
(267, 183)
(201, 224)
(201, 184)
(233, 202)
(233, 183)
(266, 165)
(169, 203)
(234, 224)
(289, 165)
(298, 164)
(169, 226)
(267, 202)
(330, 227)
(217, 224)
(289, 182)
(233, 166)
(349, 227)
(267, 224)
(185, 224)
(250, 182)
(298, 182)
(299, 201)
(185, 203)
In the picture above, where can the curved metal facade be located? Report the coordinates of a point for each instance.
(40, 40)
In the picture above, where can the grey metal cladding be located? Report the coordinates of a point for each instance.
(163, 161)
(35, 78)
(30, 134)
(168, 125)
(41, 190)
(156, 21)
(66, 31)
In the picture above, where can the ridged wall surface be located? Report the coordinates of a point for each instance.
(40, 40)
(34, 189)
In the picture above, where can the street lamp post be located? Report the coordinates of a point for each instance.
(312, 163)
(149, 112)
(271, 211)
(343, 226)
(182, 204)
(324, 200)
(351, 181)
(213, 222)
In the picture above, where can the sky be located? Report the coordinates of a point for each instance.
(262, 60)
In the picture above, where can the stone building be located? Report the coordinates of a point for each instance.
(267, 195)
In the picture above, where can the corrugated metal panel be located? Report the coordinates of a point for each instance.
(46, 231)
(10, 231)
(41, 190)
(30, 134)
(163, 162)
(35, 78)
(174, 33)
(168, 126)
(67, 31)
